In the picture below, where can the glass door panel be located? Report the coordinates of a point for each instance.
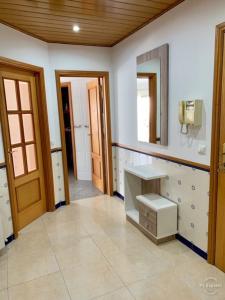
(24, 90)
(28, 127)
(10, 94)
(21, 126)
(18, 163)
(14, 128)
(31, 157)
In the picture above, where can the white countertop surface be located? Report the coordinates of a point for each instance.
(156, 202)
(146, 172)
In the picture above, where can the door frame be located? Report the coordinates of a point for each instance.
(152, 80)
(38, 73)
(107, 121)
(215, 139)
(68, 85)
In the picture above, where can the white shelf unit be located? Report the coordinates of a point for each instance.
(142, 185)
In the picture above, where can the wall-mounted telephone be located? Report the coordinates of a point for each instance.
(190, 113)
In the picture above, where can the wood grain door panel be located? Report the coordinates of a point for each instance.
(24, 145)
(96, 132)
(220, 224)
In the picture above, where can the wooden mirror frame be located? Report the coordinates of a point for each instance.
(161, 53)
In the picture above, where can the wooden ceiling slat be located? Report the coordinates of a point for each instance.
(126, 3)
(108, 41)
(67, 29)
(55, 20)
(103, 36)
(150, 20)
(77, 7)
(67, 22)
(31, 19)
(36, 25)
(102, 22)
(122, 8)
(104, 33)
(40, 11)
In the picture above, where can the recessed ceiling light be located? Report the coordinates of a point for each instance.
(76, 28)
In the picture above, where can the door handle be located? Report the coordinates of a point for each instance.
(11, 151)
(77, 126)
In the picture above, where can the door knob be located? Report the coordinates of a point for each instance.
(11, 151)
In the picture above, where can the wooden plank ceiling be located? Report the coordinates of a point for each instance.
(101, 22)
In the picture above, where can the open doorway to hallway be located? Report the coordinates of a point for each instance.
(83, 127)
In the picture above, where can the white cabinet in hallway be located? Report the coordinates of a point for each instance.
(153, 214)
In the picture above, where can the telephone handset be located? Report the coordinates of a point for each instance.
(190, 113)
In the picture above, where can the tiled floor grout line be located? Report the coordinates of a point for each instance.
(126, 285)
(109, 293)
(28, 281)
(112, 268)
(25, 282)
(60, 270)
(106, 228)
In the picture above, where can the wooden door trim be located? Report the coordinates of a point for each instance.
(152, 82)
(68, 85)
(38, 72)
(215, 139)
(91, 74)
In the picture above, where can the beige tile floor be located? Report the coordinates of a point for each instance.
(88, 251)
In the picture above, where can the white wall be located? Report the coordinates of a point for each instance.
(21, 47)
(81, 118)
(18, 46)
(67, 57)
(190, 31)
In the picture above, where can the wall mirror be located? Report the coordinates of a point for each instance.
(152, 96)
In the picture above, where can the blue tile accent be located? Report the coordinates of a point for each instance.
(61, 203)
(118, 195)
(190, 245)
(10, 239)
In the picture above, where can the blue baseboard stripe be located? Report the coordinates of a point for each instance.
(10, 239)
(197, 250)
(61, 203)
(118, 195)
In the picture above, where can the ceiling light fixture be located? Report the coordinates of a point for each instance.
(76, 28)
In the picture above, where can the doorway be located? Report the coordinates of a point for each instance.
(26, 145)
(84, 122)
(67, 104)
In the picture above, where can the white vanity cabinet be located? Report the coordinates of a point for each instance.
(153, 214)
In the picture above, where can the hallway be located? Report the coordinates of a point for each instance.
(82, 189)
(88, 251)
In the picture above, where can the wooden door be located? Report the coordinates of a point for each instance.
(220, 223)
(96, 134)
(22, 145)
